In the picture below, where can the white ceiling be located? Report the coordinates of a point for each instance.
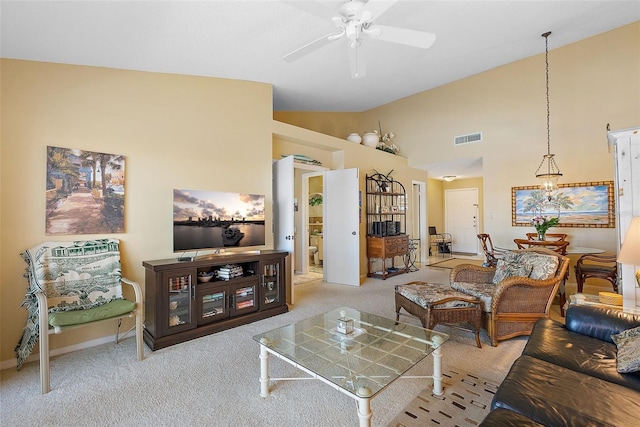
(246, 40)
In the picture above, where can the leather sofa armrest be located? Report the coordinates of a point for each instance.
(599, 322)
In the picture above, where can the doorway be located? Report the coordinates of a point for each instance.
(313, 224)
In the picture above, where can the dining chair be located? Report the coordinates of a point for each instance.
(491, 254)
(559, 246)
(597, 266)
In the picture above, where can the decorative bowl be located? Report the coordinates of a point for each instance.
(205, 277)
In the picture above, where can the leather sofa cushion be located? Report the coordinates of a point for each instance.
(599, 322)
(504, 418)
(552, 342)
(555, 396)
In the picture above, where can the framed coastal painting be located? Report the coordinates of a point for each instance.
(84, 192)
(581, 205)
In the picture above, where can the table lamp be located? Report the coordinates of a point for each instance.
(630, 250)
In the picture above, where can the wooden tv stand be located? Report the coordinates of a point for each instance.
(190, 299)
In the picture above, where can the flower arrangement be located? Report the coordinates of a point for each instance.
(542, 224)
(384, 141)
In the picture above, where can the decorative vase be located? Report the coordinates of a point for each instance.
(541, 235)
(370, 139)
(354, 137)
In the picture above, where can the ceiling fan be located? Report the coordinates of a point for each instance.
(355, 19)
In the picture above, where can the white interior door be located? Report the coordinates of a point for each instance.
(461, 219)
(341, 230)
(283, 221)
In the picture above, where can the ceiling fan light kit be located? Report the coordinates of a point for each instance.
(357, 18)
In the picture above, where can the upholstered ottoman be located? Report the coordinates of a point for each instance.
(435, 303)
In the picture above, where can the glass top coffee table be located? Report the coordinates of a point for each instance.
(360, 363)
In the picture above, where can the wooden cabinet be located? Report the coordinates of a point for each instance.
(386, 205)
(187, 300)
(379, 249)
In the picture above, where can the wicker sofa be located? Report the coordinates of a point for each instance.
(568, 375)
(515, 293)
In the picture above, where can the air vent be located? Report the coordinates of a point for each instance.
(467, 139)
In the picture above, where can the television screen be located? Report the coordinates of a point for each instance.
(213, 220)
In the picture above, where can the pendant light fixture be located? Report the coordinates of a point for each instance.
(548, 172)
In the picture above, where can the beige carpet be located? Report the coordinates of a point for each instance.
(466, 401)
(213, 380)
(452, 262)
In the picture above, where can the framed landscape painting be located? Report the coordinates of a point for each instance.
(84, 192)
(582, 205)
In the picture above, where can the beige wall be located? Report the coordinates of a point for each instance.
(335, 124)
(175, 132)
(592, 83)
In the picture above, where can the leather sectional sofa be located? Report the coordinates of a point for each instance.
(567, 376)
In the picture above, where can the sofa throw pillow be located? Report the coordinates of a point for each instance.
(543, 267)
(506, 269)
(628, 343)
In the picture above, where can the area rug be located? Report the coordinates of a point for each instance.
(452, 262)
(466, 401)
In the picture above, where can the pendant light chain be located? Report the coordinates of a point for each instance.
(546, 62)
(549, 177)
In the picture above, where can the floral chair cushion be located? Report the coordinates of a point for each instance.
(628, 357)
(482, 291)
(526, 264)
(426, 294)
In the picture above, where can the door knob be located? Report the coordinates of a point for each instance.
(353, 233)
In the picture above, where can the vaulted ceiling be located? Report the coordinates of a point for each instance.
(247, 40)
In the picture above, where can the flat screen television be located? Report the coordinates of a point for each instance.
(214, 220)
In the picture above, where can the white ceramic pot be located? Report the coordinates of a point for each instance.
(370, 139)
(354, 137)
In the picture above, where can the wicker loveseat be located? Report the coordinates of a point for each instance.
(516, 293)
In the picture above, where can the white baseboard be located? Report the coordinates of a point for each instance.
(35, 356)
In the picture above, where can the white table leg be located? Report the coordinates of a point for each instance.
(364, 406)
(264, 370)
(437, 366)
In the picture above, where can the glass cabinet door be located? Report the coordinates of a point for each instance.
(212, 304)
(179, 303)
(244, 298)
(270, 286)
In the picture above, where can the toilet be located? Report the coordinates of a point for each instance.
(313, 254)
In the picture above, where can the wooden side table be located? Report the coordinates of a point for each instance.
(435, 303)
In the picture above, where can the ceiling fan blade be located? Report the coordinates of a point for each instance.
(404, 36)
(356, 60)
(310, 47)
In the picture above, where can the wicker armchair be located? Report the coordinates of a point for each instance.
(512, 306)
